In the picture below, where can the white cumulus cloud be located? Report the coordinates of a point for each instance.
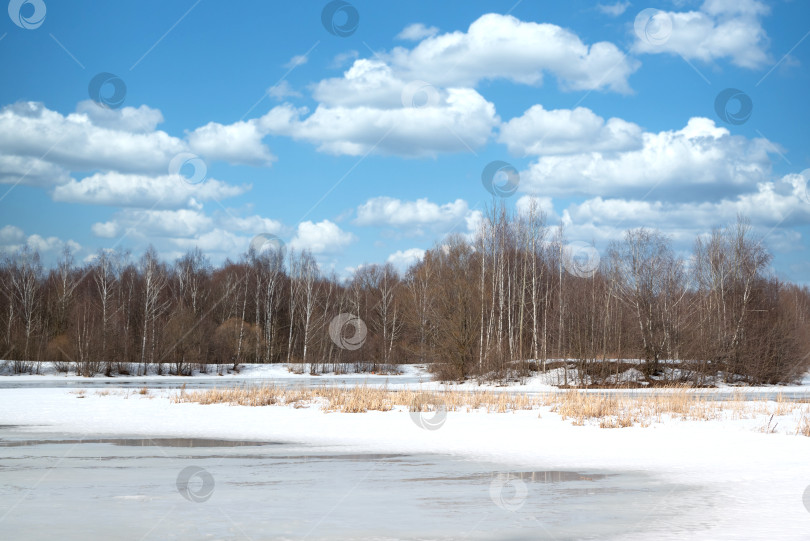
(698, 161)
(416, 215)
(503, 47)
(239, 143)
(565, 131)
(324, 237)
(402, 259)
(720, 29)
(124, 190)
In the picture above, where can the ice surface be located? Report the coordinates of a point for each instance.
(119, 490)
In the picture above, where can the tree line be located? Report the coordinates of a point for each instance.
(515, 297)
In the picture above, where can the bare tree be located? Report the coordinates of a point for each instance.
(105, 279)
(24, 292)
(650, 280)
(270, 268)
(66, 283)
(154, 283)
(728, 267)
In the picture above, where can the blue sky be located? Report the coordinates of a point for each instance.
(369, 147)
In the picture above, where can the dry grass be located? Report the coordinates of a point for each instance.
(616, 411)
(606, 410)
(360, 399)
(803, 427)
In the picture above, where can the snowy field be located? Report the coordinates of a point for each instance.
(698, 479)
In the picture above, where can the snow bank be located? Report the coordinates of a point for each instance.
(47, 370)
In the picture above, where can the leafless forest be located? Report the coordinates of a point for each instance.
(513, 299)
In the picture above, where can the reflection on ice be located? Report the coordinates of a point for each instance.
(527, 476)
(137, 442)
(154, 488)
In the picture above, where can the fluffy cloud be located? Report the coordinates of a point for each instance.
(165, 191)
(367, 83)
(542, 204)
(75, 143)
(699, 161)
(566, 131)
(155, 223)
(125, 140)
(128, 160)
(402, 259)
(256, 224)
(239, 143)
(421, 101)
(720, 29)
(324, 237)
(11, 234)
(461, 121)
(142, 119)
(417, 215)
(183, 223)
(31, 171)
(501, 46)
(12, 238)
(493, 47)
(217, 243)
(773, 208)
(219, 235)
(50, 245)
(367, 110)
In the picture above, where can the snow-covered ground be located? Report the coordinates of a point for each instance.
(409, 376)
(46, 370)
(757, 481)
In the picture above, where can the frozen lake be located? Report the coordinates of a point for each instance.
(210, 382)
(77, 486)
(198, 382)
